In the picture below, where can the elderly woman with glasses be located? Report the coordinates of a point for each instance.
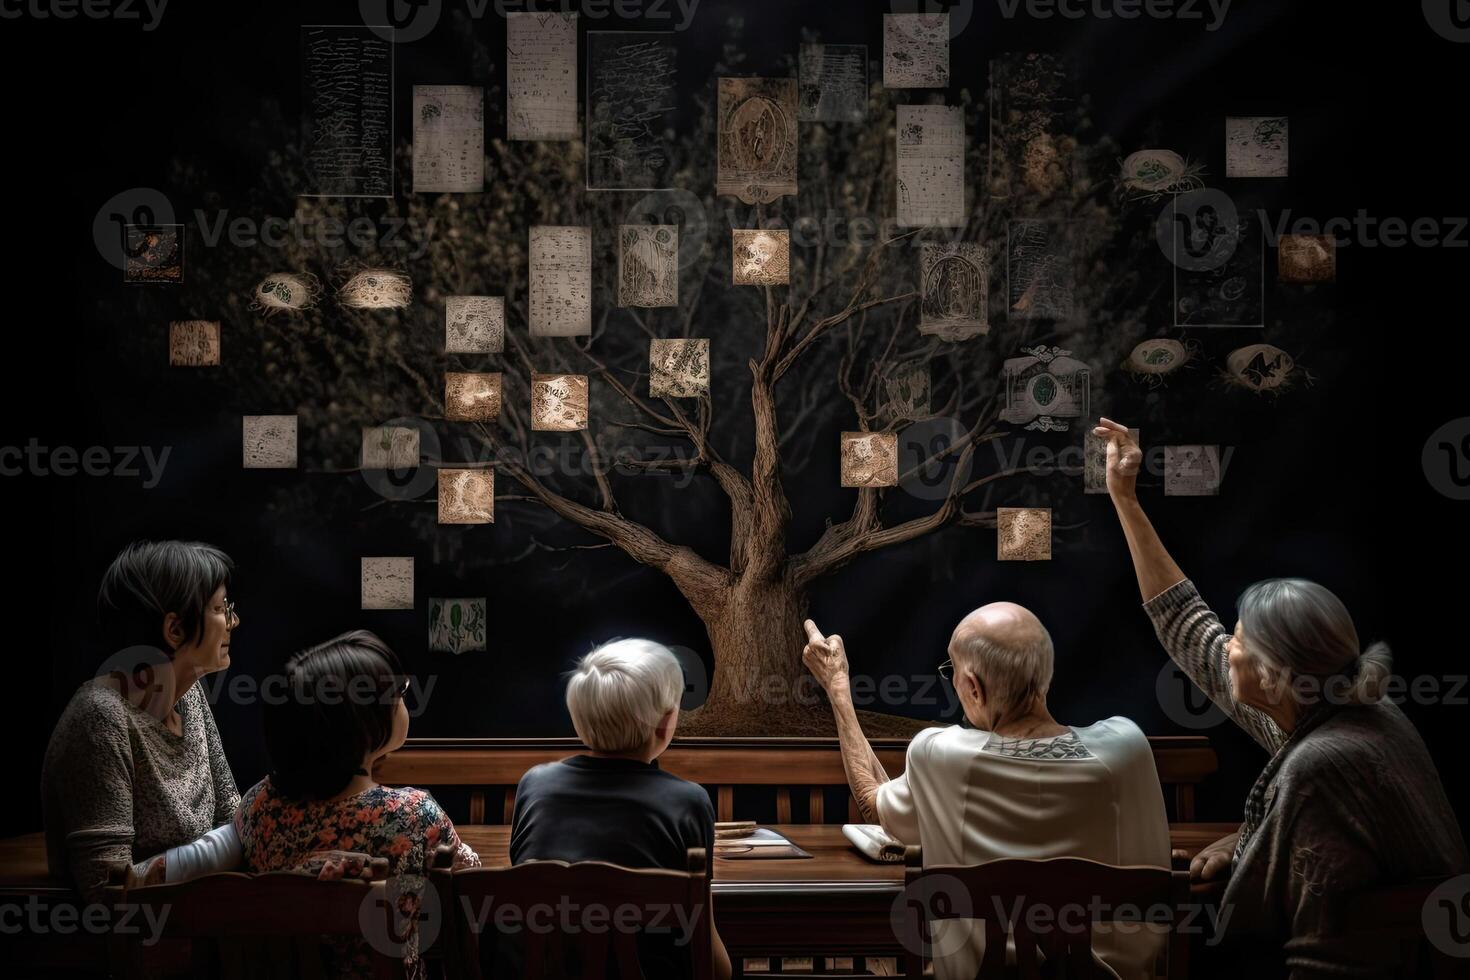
(1350, 798)
(135, 767)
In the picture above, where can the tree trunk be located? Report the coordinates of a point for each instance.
(760, 687)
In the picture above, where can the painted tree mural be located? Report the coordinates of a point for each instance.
(791, 366)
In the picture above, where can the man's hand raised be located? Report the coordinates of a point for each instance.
(826, 658)
(1124, 458)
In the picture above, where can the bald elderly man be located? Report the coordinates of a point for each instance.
(1016, 785)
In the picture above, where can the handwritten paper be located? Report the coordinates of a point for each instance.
(448, 139)
(1255, 146)
(387, 583)
(541, 76)
(561, 281)
(474, 324)
(833, 83)
(631, 99)
(916, 50)
(194, 343)
(347, 107)
(931, 166)
(757, 139)
(269, 442)
(1191, 471)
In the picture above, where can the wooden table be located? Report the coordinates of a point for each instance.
(836, 902)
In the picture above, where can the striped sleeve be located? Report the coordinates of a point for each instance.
(1195, 638)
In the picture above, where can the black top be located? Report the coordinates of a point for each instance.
(617, 810)
(621, 811)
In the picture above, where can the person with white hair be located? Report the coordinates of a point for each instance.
(1014, 784)
(613, 803)
(1350, 798)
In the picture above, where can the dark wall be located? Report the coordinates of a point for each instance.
(1327, 481)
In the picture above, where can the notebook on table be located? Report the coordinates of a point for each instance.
(749, 842)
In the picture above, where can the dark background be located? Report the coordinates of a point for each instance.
(1326, 482)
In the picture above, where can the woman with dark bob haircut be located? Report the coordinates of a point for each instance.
(1350, 799)
(134, 770)
(340, 711)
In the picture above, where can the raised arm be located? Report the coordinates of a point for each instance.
(826, 658)
(1191, 633)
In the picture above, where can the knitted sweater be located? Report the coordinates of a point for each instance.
(118, 786)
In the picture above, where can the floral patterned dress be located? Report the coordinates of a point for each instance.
(404, 825)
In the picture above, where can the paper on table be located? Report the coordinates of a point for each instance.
(873, 841)
(760, 843)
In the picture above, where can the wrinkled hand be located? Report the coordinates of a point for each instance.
(1214, 861)
(826, 658)
(155, 872)
(1124, 458)
(339, 865)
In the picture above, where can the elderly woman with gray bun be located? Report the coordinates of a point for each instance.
(1350, 798)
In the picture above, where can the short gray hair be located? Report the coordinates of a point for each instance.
(1295, 628)
(1014, 675)
(618, 692)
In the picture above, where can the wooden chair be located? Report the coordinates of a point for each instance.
(634, 900)
(1035, 892)
(249, 925)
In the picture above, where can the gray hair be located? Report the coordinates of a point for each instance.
(1296, 629)
(1013, 675)
(618, 693)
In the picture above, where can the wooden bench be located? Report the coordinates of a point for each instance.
(490, 768)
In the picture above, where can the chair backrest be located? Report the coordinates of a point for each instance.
(592, 910)
(252, 925)
(797, 768)
(1047, 909)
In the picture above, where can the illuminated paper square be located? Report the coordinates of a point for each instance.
(457, 625)
(558, 402)
(471, 397)
(756, 151)
(761, 257)
(1095, 462)
(1191, 471)
(1255, 146)
(1307, 258)
(390, 447)
(1023, 533)
(907, 393)
(474, 324)
(916, 50)
(467, 496)
(194, 343)
(387, 583)
(648, 265)
(270, 442)
(869, 459)
(153, 253)
(678, 368)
